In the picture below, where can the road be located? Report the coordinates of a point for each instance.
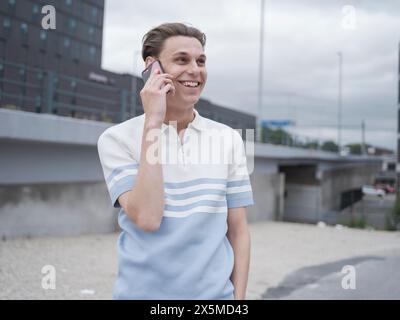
(293, 255)
(369, 277)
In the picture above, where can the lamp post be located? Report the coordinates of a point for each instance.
(260, 72)
(398, 133)
(339, 129)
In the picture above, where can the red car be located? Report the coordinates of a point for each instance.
(384, 186)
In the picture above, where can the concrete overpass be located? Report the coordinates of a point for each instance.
(51, 180)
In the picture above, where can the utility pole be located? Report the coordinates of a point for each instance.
(260, 72)
(339, 129)
(363, 138)
(398, 132)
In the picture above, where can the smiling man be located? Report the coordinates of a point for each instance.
(184, 227)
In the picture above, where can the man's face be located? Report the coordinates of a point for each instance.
(184, 58)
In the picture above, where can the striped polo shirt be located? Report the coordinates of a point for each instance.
(204, 174)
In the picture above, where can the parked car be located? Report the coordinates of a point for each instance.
(385, 186)
(371, 190)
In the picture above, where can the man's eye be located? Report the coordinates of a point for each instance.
(202, 61)
(182, 59)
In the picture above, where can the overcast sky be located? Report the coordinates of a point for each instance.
(301, 41)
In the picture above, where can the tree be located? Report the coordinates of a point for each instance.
(276, 136)
(330, 146)
(356, 148)
(314, 144)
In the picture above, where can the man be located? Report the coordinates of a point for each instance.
(184, 228)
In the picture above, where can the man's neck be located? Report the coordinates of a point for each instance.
(183, 118)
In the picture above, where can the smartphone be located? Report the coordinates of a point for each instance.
(146, 72)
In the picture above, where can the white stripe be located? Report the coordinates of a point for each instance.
(239, 189)
(183, 214)
(190, 200)
(196, 187)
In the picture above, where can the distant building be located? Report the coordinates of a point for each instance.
(59, 70)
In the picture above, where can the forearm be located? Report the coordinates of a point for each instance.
(148, 193)
(240, 241)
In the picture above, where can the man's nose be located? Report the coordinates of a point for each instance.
(193, 68)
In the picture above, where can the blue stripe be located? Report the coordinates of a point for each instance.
(201, 212)
(177, 185)
(238, 183)
(210, 203)
(188, 195)
(123, 185)
(240, 202)
(120, 169)
(239, 195)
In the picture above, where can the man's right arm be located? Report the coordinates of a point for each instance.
(144, 204)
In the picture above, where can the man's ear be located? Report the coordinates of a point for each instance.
(149, 60)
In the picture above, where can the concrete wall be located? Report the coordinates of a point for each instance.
(56, 209)
(316, 196)
(337, 179)
(29, 162)
(302, 202)
(268, 197)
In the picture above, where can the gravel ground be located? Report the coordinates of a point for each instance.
(86, 265)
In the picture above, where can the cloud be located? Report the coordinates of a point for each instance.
(300, 71)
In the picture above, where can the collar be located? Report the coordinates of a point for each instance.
(197, 123)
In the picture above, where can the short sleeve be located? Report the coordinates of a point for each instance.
(239, 191)
(119, 167)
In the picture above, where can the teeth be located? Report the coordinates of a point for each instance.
(190, 84)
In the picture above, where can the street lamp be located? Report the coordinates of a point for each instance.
(340, 103)
(260, 71)
(398, 133)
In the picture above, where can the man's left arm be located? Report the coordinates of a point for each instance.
(239, 237)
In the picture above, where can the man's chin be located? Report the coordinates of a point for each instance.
(188, 99)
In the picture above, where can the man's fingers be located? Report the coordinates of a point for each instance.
(167, 88)
(156, 77)
(159, 83)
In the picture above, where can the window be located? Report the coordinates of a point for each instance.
(22, 74)
(39, 75)
(24, 28)
(76, 50)
(67, 42)
(35, 13)
(7, 23)
(11, 6)
(94, 12)
(35, 9)
(92, 50)
(24, 33)
(91, 31)
(72, 23)
(6, 32)
(68, 2)
(43, 35)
